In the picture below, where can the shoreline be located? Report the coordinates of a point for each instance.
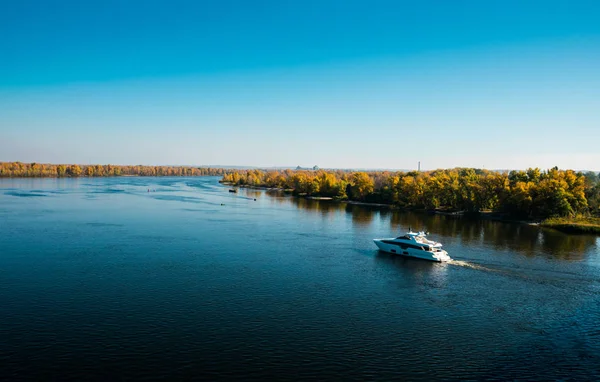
(390, 206)
(578, 225)
(494, 216)
(565, 225)
(106, 176)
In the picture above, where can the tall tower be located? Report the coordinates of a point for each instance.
(419, 166)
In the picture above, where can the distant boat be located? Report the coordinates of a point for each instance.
(414, 245)
(232, 190)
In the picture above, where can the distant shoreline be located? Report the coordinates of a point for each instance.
(45, 170)
(105, 176)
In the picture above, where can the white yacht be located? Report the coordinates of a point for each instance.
(414, 244)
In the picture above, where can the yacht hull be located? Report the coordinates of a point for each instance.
(439, 256)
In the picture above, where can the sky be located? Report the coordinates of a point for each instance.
(338, 84)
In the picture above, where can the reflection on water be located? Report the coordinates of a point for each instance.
(254, 194)
(325, 207)
(526, 239)
(529, 240)
(360, 216)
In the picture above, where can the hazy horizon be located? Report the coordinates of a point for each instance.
(334, 84)
(250, 167)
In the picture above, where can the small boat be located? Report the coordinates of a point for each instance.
(232, 190)
(414, 244)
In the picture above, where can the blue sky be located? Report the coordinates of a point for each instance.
(347, 84)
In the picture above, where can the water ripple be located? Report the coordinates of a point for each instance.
(128, 288)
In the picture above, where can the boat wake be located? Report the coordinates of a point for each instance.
(467, 264)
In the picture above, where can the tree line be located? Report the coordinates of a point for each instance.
(30, 170)
(524, 194)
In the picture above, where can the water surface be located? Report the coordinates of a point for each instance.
(177, 278)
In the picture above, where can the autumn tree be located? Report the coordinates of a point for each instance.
(74, 170)
(359, 186)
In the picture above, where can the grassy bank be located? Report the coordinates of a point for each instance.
(589, 225)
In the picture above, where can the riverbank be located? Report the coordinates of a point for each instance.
(588, 225)
(452, 192)
(486, 215)
(48, 170)
(230, 184)
(583, 225)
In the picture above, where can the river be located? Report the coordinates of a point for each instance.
(177, 278)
